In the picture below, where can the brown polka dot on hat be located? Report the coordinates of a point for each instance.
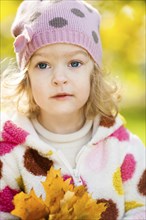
(95, 36)
(56, 1)
(77, 12)
(58, 21)
(34, 16)
(89, 9)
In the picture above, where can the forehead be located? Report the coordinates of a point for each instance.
(62, 49)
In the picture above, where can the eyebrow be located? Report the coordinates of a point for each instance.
(70, 54)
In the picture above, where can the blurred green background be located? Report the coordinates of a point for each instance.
(123, 38)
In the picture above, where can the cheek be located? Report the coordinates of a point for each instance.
(38, 89)
(84, 90)
(35, 88)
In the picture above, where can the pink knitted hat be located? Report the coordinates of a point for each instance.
(43, 22)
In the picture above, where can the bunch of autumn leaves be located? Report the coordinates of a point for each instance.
(63, 201)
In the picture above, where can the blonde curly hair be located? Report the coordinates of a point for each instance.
(17, 94)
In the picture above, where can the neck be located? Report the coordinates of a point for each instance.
(62, 124)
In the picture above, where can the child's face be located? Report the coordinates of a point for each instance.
(60, 79)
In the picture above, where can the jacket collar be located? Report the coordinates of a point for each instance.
(102, 128)
(107, 126)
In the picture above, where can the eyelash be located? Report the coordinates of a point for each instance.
(76, 61)
(38, 65)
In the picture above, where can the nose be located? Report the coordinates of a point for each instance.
(59, 77)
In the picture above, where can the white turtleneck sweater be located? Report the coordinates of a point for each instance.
(68, 144)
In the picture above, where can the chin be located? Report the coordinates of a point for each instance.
(64, 111)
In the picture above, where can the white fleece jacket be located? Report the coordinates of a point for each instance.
(111, 165)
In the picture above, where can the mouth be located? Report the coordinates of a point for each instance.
(62, 96)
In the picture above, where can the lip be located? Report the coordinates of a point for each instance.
(62, 96)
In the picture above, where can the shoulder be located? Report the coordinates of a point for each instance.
(104, 127)
(16, 122)
(11, 134)
(15, 129)
(114, 131)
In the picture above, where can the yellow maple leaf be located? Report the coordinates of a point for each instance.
(29, 206)
(63, 201)
(55, 188)
(79, 206)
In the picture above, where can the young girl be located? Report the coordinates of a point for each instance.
(67, 113)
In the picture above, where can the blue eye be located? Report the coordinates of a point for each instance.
(42, 65)
(75, 64)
